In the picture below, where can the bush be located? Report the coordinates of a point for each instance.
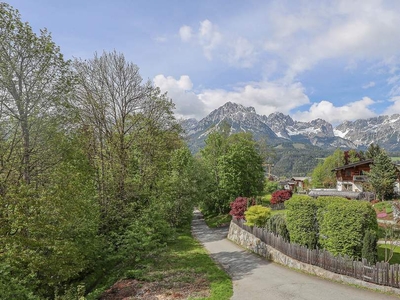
(257, 215)
(270, 186)
(301, 220)
(343, 224)
(370, 250)
(277, 225)
(239, 206)
(280, 196)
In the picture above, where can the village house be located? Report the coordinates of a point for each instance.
(352, 177)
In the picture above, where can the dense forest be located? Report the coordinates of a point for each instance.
(94, 171)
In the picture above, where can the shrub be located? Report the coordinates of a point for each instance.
(239, 206)
(343, 224)
(301, 220)
(280, 196)
(270, 186)
(370, 250)
(257, 215)
(277, 225)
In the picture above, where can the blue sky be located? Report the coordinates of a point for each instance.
(336, 60)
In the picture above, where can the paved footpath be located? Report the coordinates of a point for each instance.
(255, 278)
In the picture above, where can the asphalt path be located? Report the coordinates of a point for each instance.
(256, 278)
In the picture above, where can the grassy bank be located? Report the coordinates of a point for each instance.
(183, 268)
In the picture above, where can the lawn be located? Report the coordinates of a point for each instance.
(396, 255)
(183, 269)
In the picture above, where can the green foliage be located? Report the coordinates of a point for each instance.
(369, 249)
(257, 215)
(277, 225)
(147, 235)
(342, 225)
(373, 151)
(178, 188)
(270, 187)
(301, 220)
(322, 176)
(235, 168)
(383, 175)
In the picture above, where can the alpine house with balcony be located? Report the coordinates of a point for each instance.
(352, 177)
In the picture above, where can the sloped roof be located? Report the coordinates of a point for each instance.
(344, 194)
(359, 163)
(301, 178)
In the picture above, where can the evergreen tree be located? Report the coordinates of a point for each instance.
(383, 175)
(369, 250)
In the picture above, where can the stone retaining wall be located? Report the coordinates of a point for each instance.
(254, 244)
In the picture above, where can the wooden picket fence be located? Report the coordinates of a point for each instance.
(381, 273)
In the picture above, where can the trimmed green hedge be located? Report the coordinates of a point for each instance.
(342, 225)
(301, 220)
(333, 223)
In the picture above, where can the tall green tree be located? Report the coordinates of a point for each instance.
(235, 166)
(383, 175)
(34, 79)
(322, 175)
(373, 151)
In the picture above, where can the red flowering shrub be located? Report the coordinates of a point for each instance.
(239, 206)
(280, 196)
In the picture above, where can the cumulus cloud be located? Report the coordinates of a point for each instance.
(236, 50)
(394, 108)
(187, 103)
(185, 32)
(352, 31)
(335, 114)
(368, 85)
(209, 37)
(242, 53)
(265, 97)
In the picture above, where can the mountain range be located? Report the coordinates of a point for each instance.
(278, 129)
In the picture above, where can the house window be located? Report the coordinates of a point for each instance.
(348, 173)
(347, 187)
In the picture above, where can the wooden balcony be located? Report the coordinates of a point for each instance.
(360, 178)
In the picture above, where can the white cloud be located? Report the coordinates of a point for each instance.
(368, 85)
(335, 114)
(242, 53)
(160, 39)
(353, 31)
(393, 108)
(209, 37)
(187, 103)
(185, 32)
(236, 50)
(265, 97)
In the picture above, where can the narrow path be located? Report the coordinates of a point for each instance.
(256, 278)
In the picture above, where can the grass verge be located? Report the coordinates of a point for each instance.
(214, 221)
(183, 264)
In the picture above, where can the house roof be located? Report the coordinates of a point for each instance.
(300, 178)
(344, 194)
(359, 163)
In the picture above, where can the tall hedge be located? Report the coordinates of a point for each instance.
(277, 225)
(342, 225)
(301, 220)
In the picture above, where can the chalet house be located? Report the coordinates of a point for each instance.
(352, 176)
(299, 182)
(294, 183)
